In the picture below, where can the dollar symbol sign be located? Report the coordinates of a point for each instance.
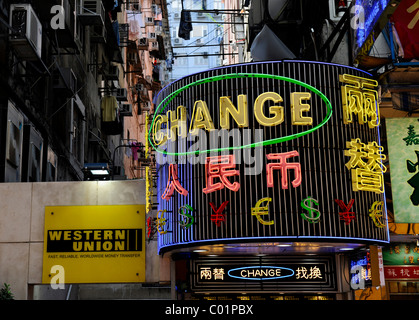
(183, 211)
(313, 214)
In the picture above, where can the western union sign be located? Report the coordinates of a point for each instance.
(94, 240)
(95, 244)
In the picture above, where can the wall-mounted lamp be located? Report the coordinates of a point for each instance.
(96, 171)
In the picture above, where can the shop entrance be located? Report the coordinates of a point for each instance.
(263, 297)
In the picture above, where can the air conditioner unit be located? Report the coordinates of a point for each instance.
(14, 143)
(177, 15)
(198, 41)
(125, 110)
(113, 73)
(158, 29)
(154, 8)
(66, 37)
(152, 36)
(121, 94)
(133, 6)
(98, 34)
(139, 87)
(91, 12)
(143, 43)
(26, 34)
(178, 41)
(149, 21)
(64, 80)
(124, 32)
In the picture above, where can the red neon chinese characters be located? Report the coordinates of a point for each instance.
(346, 215)
(173, 184)
(217, 217)
(220, 167)
(283, 165)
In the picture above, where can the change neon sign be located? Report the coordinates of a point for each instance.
(175, 120)
(261, 273)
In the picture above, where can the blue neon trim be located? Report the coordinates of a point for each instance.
(160, 238)
(272, 238)
(259, 267)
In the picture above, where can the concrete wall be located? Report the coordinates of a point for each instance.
(22, 225)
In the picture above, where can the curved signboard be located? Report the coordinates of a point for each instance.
(269, 151)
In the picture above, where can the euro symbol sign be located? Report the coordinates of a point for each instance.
(313, 214)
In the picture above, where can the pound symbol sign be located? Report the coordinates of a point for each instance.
(313, 214)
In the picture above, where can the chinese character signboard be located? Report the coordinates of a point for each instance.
(401, 261)
(401, 254)
(403, 150)
(95, 244)
(233, 273)
(271, 149)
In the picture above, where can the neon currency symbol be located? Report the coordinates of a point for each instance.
(258, 211)
(376, 214)
(313, 215)
(188, 220)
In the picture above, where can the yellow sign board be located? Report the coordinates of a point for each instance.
(94, 244)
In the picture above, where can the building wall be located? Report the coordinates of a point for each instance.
(205, 37)
(22, 225)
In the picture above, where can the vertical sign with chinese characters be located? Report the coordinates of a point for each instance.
(403, 150)
(272, 149)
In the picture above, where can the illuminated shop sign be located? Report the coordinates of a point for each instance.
(404, 159)
(252, 273)
(400, 254)
(367, 19)
(361, 276)
(273, 149)
(95, 244)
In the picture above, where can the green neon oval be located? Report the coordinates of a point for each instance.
(163, 105)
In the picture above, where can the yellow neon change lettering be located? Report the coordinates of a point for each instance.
(277, 111)
(158, 136)
(177, 121)
(201, 118)
(297, 108)
(240, 115)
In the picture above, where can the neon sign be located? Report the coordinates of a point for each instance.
(201, 118)
(293, 271)
(289, 193)
(259, 211)
(261, 273)
(360, 98)
(366, 165)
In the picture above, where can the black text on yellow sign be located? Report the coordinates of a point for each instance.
(94, 240)
(95, 244)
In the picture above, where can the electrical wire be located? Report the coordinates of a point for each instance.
(225, 31)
